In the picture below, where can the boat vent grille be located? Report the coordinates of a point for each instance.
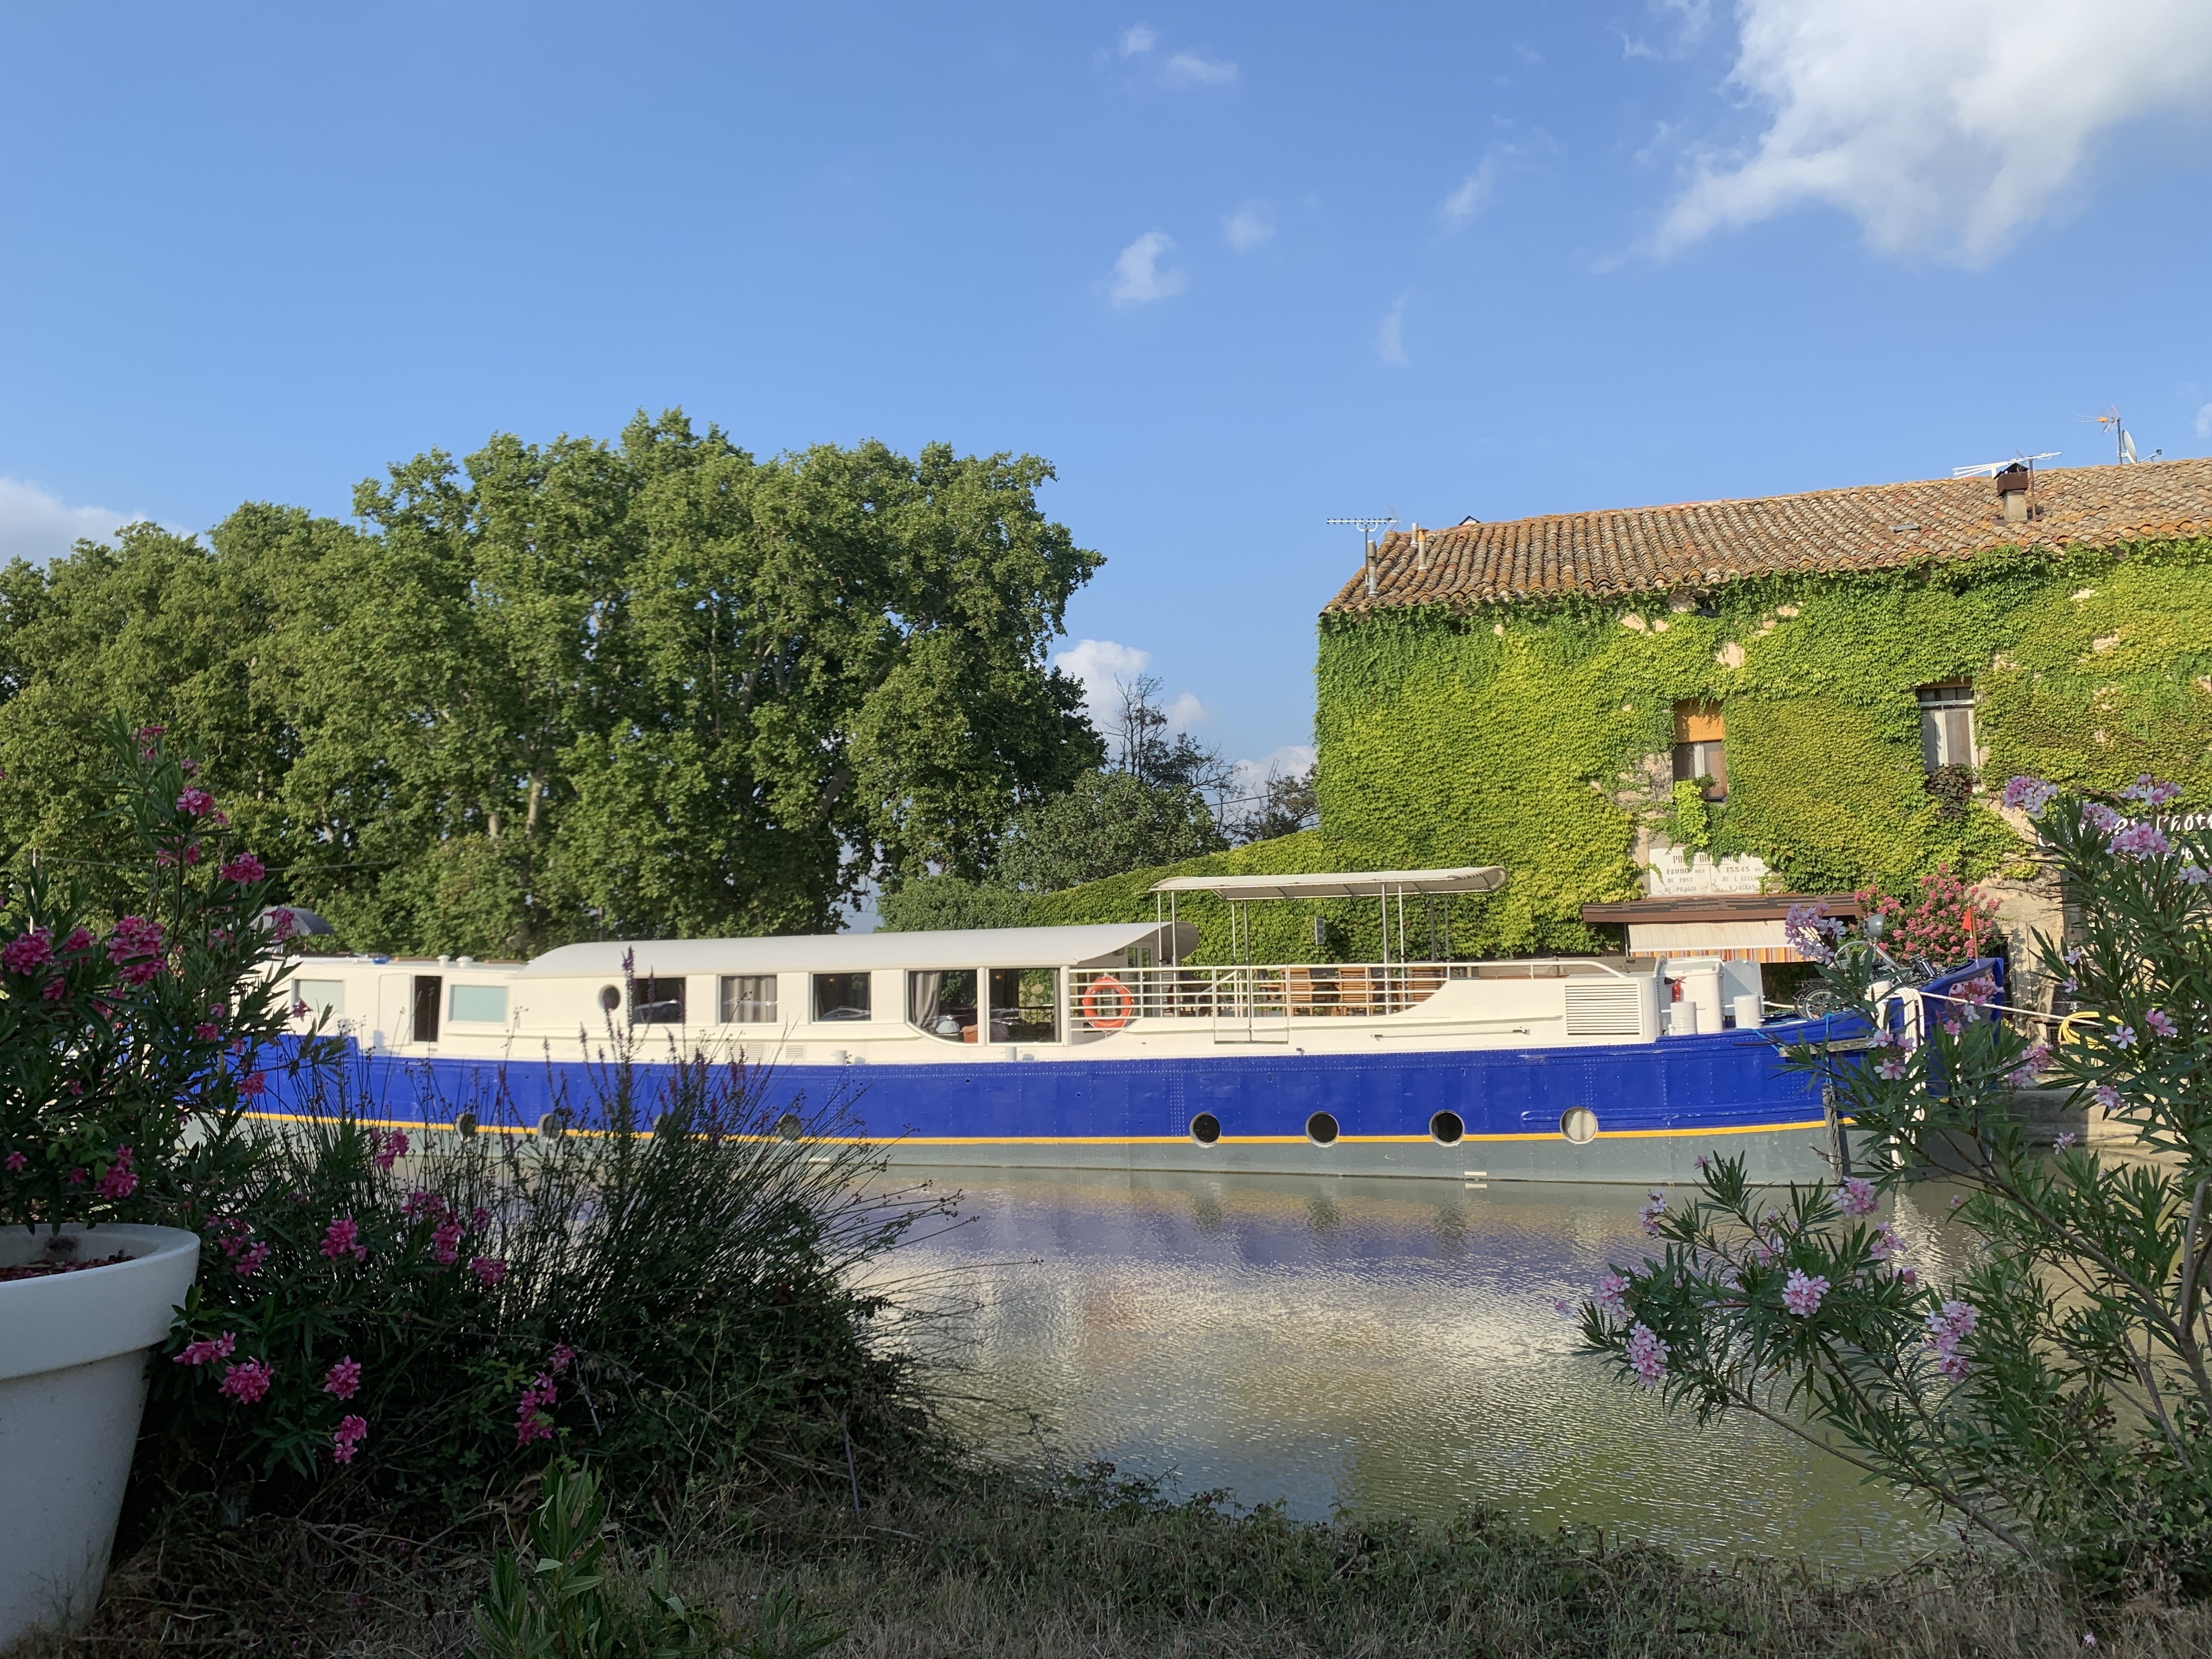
(1605, 1007)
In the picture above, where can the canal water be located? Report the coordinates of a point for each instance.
(1364, 1346)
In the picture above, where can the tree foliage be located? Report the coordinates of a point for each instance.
(577, 689)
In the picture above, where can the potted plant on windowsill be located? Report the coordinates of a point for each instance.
(127, 1044)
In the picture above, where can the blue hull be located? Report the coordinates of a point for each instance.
(1659, 1106)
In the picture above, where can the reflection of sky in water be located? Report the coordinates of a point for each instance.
(1382, 1345)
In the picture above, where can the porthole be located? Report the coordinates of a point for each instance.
(466, 1123)
(788, 1127)
(1206, 1128)
(1445, 1128)
(611, 997)
(1579, 1125)
(1320, 1128)
(553, 1125)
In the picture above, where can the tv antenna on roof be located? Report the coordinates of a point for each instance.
(1991, 469)
(1366, 527)
(2123, 441)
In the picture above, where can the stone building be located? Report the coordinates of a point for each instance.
(1668, 722)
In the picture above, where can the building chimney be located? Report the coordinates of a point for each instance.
(2012, 493)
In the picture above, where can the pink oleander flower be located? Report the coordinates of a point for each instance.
(2194, 875)
(2161, 1022)
(1977, 991)
(1811, 933)
(28, 952)
(139, 975)
(206, 1032)
(207, 1349)
(250, 1261)
(134, 937)
(2151, 791)
(1948, 1326)
(343, 1239)
(2101, 817)
(488, 1269)
(1908, 1277)
(245, 870)
(1653, 1209)
(1857, 1195)
(77, 1178)
(121, 1180)
(445, 1242)
(196, 803)
(14, 1162)
(419, 1202)
(2108, 1097)
(147, 733)
(78, 942)
(1801, 1294)
(1704, 1163)
(1647, 1355)
(530, 1420)
(2030, 1065)
(54, 989)
(247, 1381)
(1952, 1027)
(563, 1357)
(2030, 795)
(1607, 1297)
(1561, 1306)
(479, 1217)
(1886, 1242)
(343, 1379)
(1890, 1068)
(391, 1148)
(350, 1433)
(253, 1082)
(2140, 840)
(2122, 1036)
(2066, 1139)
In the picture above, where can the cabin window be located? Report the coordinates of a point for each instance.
(322, 996)
(657, 1002)
(749, 999)
(484, 1002)
(429, 996)
(1024, 1005)
(1700, 748)
(842, 996)
(1946, 724)
(942, 1002)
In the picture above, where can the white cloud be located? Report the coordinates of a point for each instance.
(1138, 279)
(1104, 665)
(37, 527)
(1390, 335)
(1943, 128)
(1137, 40)
(2204, 421)
(1249, 226)
(1187, 69)
(1473, 195)
(1288, 760)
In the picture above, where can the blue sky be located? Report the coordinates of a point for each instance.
(1233, 268)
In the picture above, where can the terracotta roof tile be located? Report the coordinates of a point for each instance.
(1649, 550)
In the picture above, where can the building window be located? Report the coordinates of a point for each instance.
(322, 996)
(942, 1002)
(749, 999)
(842, 996)
(427, 997)
(1947, 725)
(657, 1002)
(1700, 738)
(485, 1004)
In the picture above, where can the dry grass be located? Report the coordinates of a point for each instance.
(1100, 1572)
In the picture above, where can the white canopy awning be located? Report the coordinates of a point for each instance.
(1362, 884)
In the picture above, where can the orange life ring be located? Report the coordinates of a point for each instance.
(1098, 991)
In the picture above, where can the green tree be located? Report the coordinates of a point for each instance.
(579, 690)
(930, 904)
(1109, 823)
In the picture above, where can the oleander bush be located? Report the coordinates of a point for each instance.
(381, 1323)
(2055, 1396)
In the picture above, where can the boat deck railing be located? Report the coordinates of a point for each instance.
(1282, 992)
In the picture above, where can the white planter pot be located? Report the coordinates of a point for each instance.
(72, 1389)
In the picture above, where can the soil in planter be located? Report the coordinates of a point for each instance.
(48, 1269)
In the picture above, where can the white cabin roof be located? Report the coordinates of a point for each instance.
(961, 947)
(1358, 883)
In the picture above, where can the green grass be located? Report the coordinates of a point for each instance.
(999, 1565)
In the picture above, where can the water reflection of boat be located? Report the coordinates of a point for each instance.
(1103, 1046)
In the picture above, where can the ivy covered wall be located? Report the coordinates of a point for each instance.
(1537, 736)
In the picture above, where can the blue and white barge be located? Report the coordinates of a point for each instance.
(1105, 1047)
